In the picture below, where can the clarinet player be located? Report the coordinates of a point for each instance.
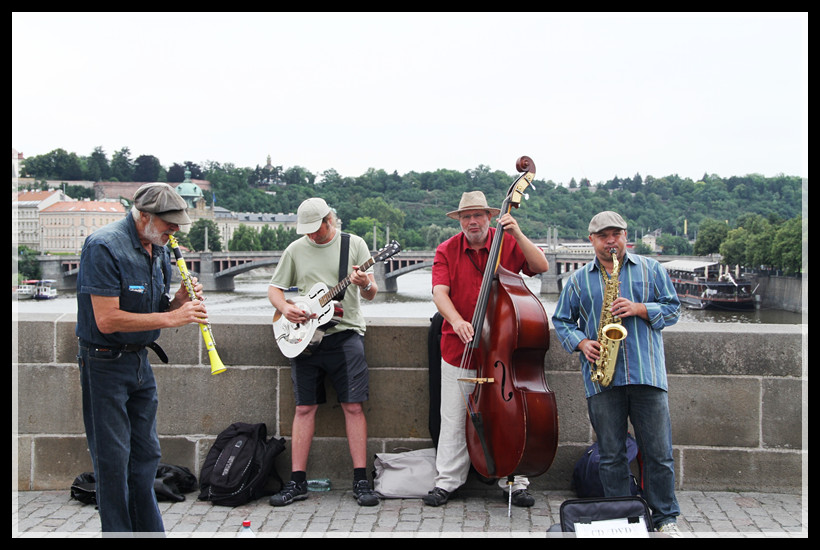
(646, 304)
(122, 304)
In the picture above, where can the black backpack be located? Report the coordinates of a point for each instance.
(240, 466)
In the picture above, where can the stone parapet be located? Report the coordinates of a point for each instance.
(736, 395)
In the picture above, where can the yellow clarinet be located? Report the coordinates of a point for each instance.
(207, 335)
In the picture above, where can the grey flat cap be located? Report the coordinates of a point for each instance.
(606, 219)
(163, 200)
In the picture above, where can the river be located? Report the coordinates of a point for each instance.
(413, 300)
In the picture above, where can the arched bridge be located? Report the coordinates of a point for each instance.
(217, 270)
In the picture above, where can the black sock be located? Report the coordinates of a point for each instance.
(359, 474)
(298, 476)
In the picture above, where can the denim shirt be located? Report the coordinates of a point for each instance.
(641, 355)
(113, 262)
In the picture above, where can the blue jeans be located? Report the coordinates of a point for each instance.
(119, 412)
(647, 407)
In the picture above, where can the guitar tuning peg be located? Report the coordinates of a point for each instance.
(526, 196)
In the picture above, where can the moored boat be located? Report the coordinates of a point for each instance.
(45, 290)
(25, 290)
(703, 285)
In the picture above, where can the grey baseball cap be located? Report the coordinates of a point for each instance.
(163, 200)
(602, 220)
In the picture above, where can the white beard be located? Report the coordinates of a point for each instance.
(154, 235)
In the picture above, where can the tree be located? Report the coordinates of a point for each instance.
(148, 168)
(245, 239)
(78, 192)
(197, 235)
(787, 246)
(642, 248)
(97, 167)
(363, 227)
(176, 173)
(674, 245)
(733, 248)
(277, 238)
(437, 234)
(122, 168)
(27, 265)
(711, 233)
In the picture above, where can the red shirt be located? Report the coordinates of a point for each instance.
(461, 268)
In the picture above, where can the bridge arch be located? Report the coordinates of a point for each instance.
(217, 270)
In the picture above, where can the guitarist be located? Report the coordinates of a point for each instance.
(311, 259)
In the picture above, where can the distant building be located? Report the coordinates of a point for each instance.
(125, 190)
(66, 224)
(16, 158)
(25, 213)
(190, 191)
(651, 239)
(51, 222)
(228, 225)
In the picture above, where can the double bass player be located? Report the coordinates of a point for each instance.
(458, 269)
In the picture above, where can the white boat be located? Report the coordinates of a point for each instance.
(44, 290)
(25, 290)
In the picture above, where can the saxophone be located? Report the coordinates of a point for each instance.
(610, 330)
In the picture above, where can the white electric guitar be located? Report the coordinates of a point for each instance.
(296, 338)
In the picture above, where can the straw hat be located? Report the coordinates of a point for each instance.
(473, 200)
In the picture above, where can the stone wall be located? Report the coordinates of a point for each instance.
(736, 394)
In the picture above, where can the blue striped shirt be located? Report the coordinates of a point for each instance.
(640, 355)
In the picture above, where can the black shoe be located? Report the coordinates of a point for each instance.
(291, 492)
(436, 497)
(521, 498)
(364, 494)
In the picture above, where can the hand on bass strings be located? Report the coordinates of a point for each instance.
(464, 330)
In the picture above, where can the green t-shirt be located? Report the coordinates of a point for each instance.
(305, 263)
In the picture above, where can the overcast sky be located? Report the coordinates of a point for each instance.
(585, 95)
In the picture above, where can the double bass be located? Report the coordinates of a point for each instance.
(512, 421)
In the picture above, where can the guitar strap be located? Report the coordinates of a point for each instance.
(343, 257)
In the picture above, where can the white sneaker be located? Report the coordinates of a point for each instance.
(670, 529)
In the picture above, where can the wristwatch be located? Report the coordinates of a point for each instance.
(369, 284)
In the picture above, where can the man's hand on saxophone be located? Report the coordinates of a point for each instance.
(590, 348)
(623, 308)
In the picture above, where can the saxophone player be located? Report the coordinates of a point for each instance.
(646, 303)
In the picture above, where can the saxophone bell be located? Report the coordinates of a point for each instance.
(610, 340)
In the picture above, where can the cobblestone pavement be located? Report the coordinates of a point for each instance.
(37, 514)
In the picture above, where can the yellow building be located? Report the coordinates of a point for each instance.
(65, 225)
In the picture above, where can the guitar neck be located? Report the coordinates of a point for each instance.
(343, 284)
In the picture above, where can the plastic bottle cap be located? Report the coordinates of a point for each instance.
(246, 523)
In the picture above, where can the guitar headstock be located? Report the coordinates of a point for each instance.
(387, 252)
